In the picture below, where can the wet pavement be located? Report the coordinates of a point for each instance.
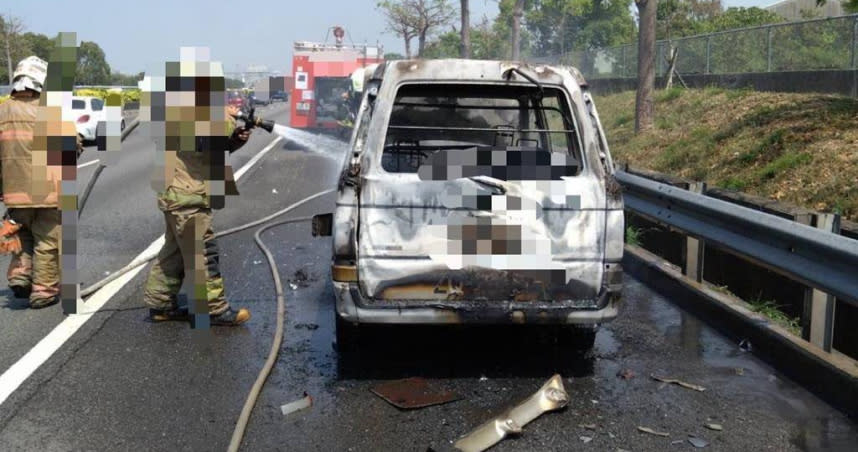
(125, 384)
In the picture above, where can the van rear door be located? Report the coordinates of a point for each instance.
(481, 193)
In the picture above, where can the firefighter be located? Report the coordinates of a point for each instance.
(188, 195)
(31, 190)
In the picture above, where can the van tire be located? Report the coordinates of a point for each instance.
(347, 335)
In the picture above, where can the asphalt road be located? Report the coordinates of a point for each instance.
(124, 384)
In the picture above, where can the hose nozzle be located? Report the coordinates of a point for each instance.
(251, 120)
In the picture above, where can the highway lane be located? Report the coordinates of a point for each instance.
(131, 385)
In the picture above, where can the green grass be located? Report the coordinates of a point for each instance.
(633, 235)
(735, 94)
(669, 94)
(734, 183)
(624, 119)
(787, 161)
(772, 310)
(774, 143)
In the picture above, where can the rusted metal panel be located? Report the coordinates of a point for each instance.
(412, 393)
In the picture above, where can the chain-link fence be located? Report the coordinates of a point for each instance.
(819, 44)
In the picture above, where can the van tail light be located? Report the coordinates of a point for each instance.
(83, 119)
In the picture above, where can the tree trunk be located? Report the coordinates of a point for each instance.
(517, 12)
(421, 42)
(8, 58)
(466, 30)
(407, 40)
(646, 65)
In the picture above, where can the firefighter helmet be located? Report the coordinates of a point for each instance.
(30, 74)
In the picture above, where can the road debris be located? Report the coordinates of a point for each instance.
(551, 396)
(484, 378)
(274, 190)
(745, 345)
(716, 427)
(585, 439)
(588, 426)
(293, 286)
(626, 374)
(651, 431)
(306, 326)
(697, 442)
(678, 382)
(412, 393)
(297, 405)
(739, 371)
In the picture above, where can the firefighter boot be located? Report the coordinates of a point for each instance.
(231, 317)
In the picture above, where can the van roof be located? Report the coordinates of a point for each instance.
(457, 70)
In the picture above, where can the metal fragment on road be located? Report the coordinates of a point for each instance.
(678, 382)
(412, 393)
(651, 431)
(297, 405)
(551, 396)
(716, 427)
(585, 439)
(697, 442)
(588, 426)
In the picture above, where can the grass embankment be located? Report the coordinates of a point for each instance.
(801, 149)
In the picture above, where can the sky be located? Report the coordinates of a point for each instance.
(259, 32)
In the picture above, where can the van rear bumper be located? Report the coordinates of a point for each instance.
(353, 307)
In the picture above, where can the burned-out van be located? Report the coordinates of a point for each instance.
(476, 192)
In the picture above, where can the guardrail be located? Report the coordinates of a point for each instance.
(813, 256)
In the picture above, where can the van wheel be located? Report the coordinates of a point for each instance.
(348, 335)
(577, 339)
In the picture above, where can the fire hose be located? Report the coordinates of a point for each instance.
(250, 121)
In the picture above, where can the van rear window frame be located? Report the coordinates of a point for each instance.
(561, 94)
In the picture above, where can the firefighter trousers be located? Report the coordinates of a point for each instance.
(189, 249)
(37, 266)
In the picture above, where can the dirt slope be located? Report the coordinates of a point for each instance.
(797, 148)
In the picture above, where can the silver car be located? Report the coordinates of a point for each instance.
(476, 192)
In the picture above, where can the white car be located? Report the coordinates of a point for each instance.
(87, 112)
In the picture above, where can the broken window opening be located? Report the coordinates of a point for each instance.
(427, 119)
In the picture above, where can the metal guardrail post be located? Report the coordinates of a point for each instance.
(692, 266)
(821, 305)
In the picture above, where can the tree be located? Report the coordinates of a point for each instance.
(400, 20)
(465, 12)
(12, 46)
(850, 6)
(92, 68)
(485, 44)
(394, 56)
(518, 12)
(416, 19)
(38, 44)
(644, 108)
(430, 15)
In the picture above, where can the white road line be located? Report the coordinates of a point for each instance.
(15, 376)
(84, 165)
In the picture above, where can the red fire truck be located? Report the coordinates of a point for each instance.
(321, 74)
